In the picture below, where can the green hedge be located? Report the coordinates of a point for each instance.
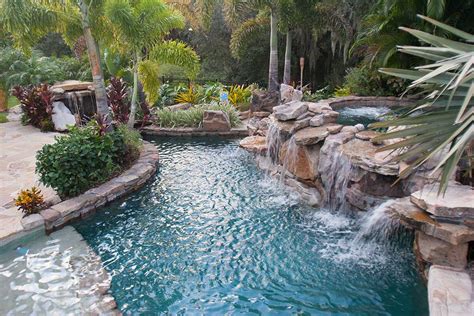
(84, 158)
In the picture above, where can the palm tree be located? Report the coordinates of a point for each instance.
(29, 20)
(138, 29)
(445, 119)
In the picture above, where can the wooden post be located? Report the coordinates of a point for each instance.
(301, 72)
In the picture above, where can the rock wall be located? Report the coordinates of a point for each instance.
(342, 163)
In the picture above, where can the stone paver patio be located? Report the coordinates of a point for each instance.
(18, 147)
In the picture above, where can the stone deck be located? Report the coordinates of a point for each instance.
(19, 145)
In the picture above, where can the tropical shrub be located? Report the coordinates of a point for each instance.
(318, 95)
(366, 81)
(117, 97)
(167, 94)
(30, 201)
(239, 96)
(444, 120)
(193, 117)
(36, 104)
(189, 96)
(85, 158)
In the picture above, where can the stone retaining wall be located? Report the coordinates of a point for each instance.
(61, 214)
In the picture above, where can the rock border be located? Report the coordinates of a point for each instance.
(352, 100)
(154, 130)
(62, 213)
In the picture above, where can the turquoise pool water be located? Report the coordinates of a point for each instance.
(211, 234)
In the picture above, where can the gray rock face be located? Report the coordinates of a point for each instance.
(311, 135)
(437, 251)
(457, 203)
(300, 124)
(318, 107)
(317, 120)
(449, 292)
(288, 93)
(179, 107)
(215, 121)
(62, 117)
(360, 127)
(264, 101)
(289, 111)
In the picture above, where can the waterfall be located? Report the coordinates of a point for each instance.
(273, 140)
(335, 180)
(377, 225)
(75, 105)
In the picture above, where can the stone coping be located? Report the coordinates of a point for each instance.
(239, 131)
(391, 102)
(414, 217)
(450, 292)
(62, 213)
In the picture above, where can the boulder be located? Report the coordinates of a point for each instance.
(284, 127)
(450, 292)
(349, 129)
(317, 120)
(289, 111)
(256, 144)
(261, 114)
(330, 116)
(300, 124)
(301, 161)
(62, 117)
(364, 155)
(72, 85)
(258, 126)
(179, 107)
(360, 127)
(288, 93)
(264, 101)
(311, 135)
(308, 194)
(456, 204)
(366, 135)
(244, 115)
(215, 121)
(437, 251)
(318, 107)
(334, 129)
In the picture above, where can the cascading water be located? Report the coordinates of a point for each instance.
(377, 225)
(290, 159)
(335, 180)
(273, 140)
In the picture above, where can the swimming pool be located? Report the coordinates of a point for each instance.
(212, 234)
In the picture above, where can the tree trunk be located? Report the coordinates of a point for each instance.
(3, 100)
(287, 70)
(273, 64)
(133, 106)
(94, 59)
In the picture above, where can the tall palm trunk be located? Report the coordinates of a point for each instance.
(287, 70)
(133, 106)
(273, 64)
(94, 59)
(3, 100)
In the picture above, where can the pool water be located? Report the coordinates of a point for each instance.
(363, 115)
(212, 234)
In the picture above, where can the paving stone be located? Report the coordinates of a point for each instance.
(32, 221)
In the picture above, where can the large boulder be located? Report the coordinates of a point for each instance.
(288, 93)
(437, 251)
(301, 161)
(256, 144)
(215, 121)
(311, 135)
(264, 101)
(62, 117)
(456, 203)
(318, 107)
(290, 110)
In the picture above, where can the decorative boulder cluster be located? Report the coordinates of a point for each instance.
(305, 139)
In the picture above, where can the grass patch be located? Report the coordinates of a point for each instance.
(12, 101)
(193, 116)
(3, 117)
